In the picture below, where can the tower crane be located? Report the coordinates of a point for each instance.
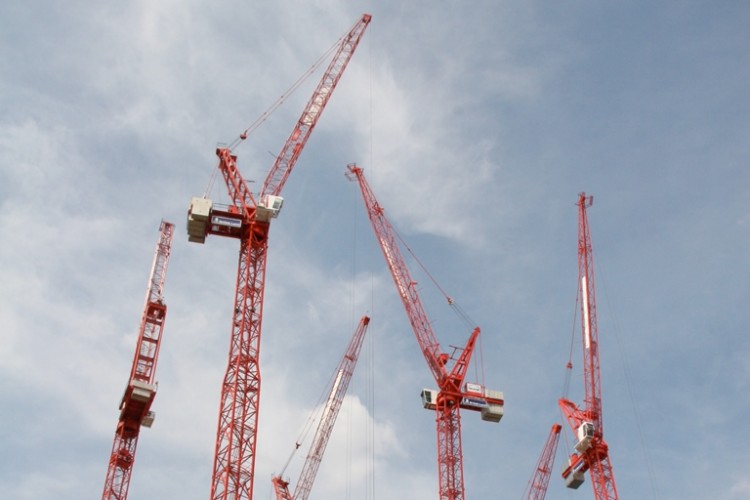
(452, 394)
(537, 487)
(135, 407)
(340, 385)
(249, 221)
(591, 451)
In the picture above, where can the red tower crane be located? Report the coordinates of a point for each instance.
(592, 452)
(537, 487)
(135, 407)
(452, 394)
(249, 221)
(340, 385)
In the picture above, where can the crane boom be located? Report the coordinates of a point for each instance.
(311, 114)
(452, 394)
(537, 487)
(405, 285)
(592, 452)
(340, 385)
(248, 220)
(135, 407)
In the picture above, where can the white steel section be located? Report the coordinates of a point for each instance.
(586, 317)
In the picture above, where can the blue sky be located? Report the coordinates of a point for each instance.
(477, 125)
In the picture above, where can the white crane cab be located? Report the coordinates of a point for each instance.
(429, 399)
(268, 208)
(584, 433)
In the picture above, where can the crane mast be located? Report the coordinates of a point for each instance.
(135, 407)
(452, 394)
(537, 487)
(249, 220)
(592, 452)
(340, 385)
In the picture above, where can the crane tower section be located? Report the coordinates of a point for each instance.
(537, 487)
(248, 220)
(453, 393)
(135, 406)
(591, 450)
(344, 373)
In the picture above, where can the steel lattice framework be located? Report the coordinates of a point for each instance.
(537, 487)
(135, 408)
(249, 220)
(453, 395)
(344, 373)
(592, 452)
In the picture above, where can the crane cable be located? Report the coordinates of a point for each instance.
(253, 126)
(457, 309)
(626, 369)
(569, 365)
(313, 417)
(268, 112)
(460, 312)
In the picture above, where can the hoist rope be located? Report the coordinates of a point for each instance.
(569, 367)
(371, 359)
(628, 385)
(312, 419)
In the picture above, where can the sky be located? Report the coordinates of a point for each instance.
(477, 124)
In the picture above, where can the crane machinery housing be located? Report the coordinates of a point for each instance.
(343, 376)
(135, 407)
(591, 451)
(453, 393)
(249, 221)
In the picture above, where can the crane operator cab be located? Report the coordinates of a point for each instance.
(585, 434)
(268, 208)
